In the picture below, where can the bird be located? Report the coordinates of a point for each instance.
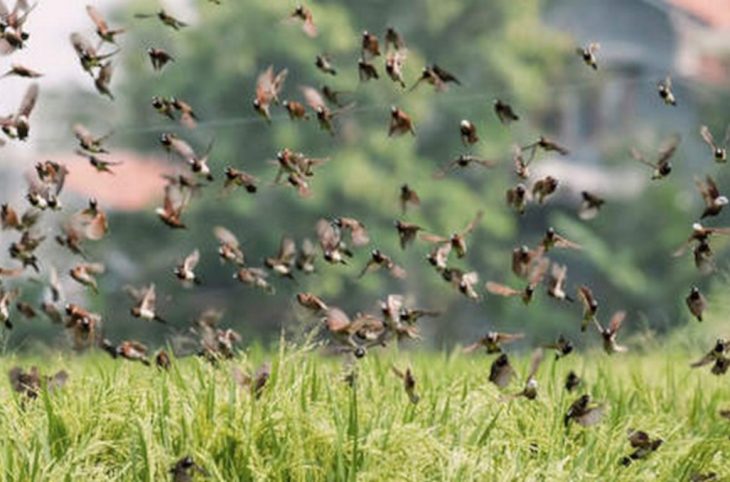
(164, 17)
(370, 46)
(145, 303)
(492, 342)
(19, 70)
(590, 206)
(501, 372)
(380, 260)
(394, 63)
(714, 201)
(175, 202)
(324, 63)
(530, 389)
(719, 151)
(664, 88)
(229, 248)
(304, 14)
(238, 178)
(524, 258)
(537, 273)
(105, 33)
(183, 470)
(517, 198)
(185, 271)
(437, 77)
(312, 302)
(696, 302)
(562, 346)
(268, 87)
(283, 263)
(556, 283)
(408, 197)
(366, 70)
(662, 167)
(358, 233)
(159, 58)
(642, 444)
(718, 356)
(255, 382)
(400, 123)
(29, 383)
(468, 131)
(17, 125)
(88, 142)
(554, 240)
(609, 333)
(590, 306)
(461, 162)
(85, 274)
(544, 187)
(547, 145)
(584, 412)
(588, 54)
(464, 281)
(409, 383)
(505, 112)
(99, 164)
(7, 298)
(254, 277)
(407, 232)
(572, 381)
(457, 240)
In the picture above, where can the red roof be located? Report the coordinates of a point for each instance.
(135, 185)
(715, 13)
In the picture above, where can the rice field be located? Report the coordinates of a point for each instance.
(119, 420)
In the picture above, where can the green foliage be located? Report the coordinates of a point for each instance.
(116, 420)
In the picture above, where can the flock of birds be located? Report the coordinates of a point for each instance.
(337, 237)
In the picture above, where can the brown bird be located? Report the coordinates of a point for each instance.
(554, 240)
(400, 123)
(407, 232)
(547, 145)
(662, 166)
(103, 79)
(696, 302)
(590, 206)
(700, 234)
(85, 274)
(88, 55)
(255, 383)
(517, 198)
(26, 309)
(12, 35)
(305, 15)
(492, 342)
(7, 298)
(356, 334)
(334, 249)
(296, 110)
(162, 360)
(704, 258)
(379, 260)
(714, 201)
(408, 197)
(562, 346)
(175, 202)
(456, 240)
(19, 70)
(524, 258)
(664, 87)
(84, 326)
(188, 117)
(436, 76)
(146, 300)
(590, 306)
(129, 350)
(643, 445)
(584, 412)
(369, 45)
(238, 178)
(719, 151)
(159, 58)
(468, 131)
(256, 278)
(312, 302)
(530, 389)
(91, 222)
(268, 87)
(572, 381)
(17, 125)
(544, 187)
(719, 356)
(306, 256)
(325, 115)
(164, 17)
(409, 383)
(9, 218)
(522, 166)
(102, 28)
(185, 271)
(556, 283)
(283, 263)
(501, 372)
(88, 141)
(505, 113)
(609, 334)
(23, 250)
(30, 383)
(184, 469)
(358, 234)
(229, 248)
(98, 163)
(535, 277)
(463, 281)
(393, 39)
(366, 70)
(394, 62)
(324, 63)
(588, 54)
(461, 162)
